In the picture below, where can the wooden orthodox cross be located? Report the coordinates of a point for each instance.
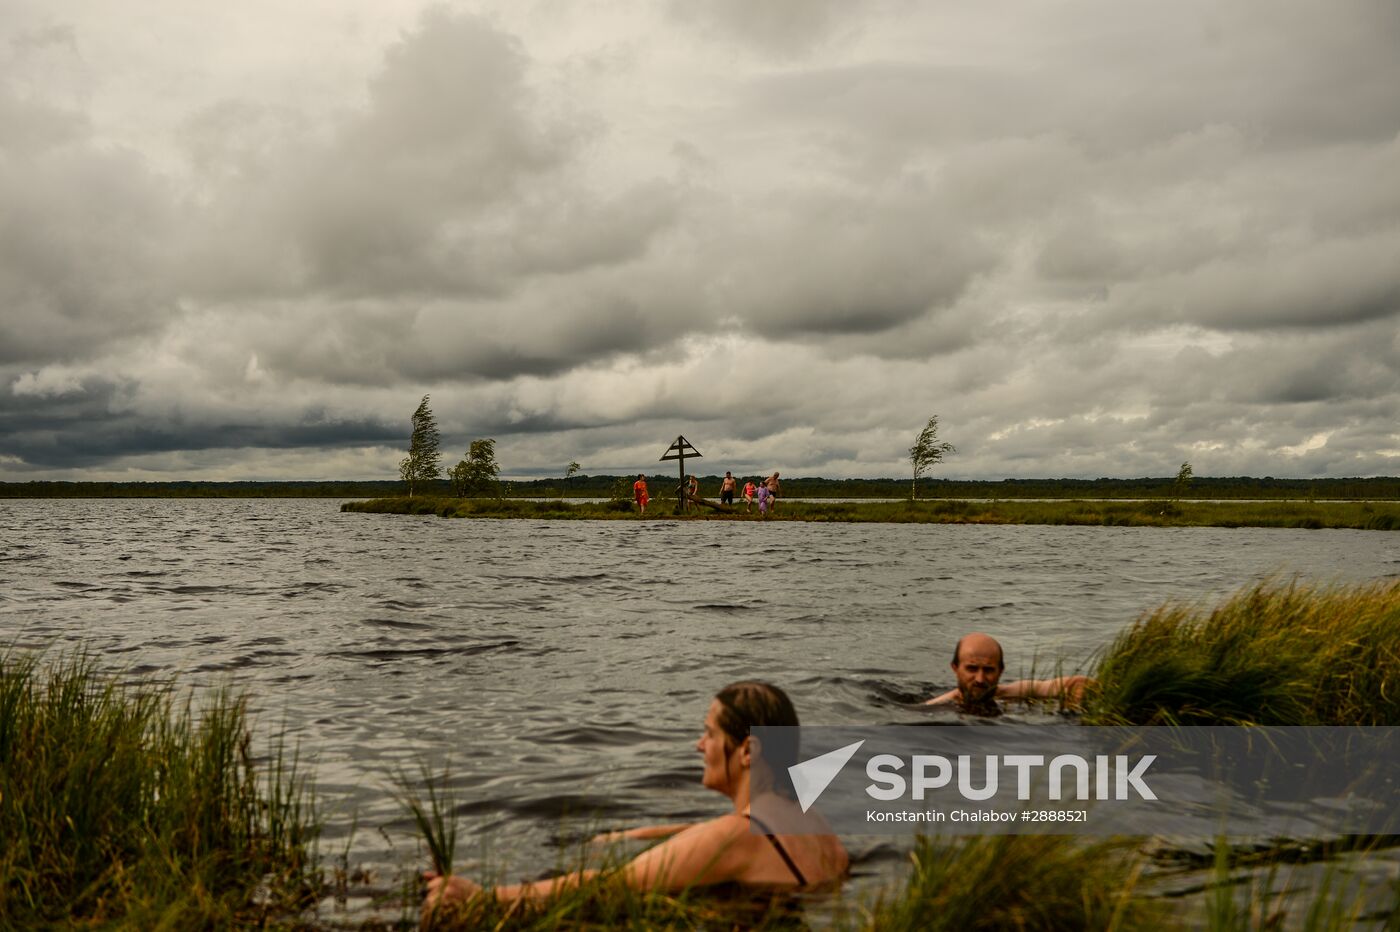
(679, 449)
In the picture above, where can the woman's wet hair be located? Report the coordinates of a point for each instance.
(749, 704)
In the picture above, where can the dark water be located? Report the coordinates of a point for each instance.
(564, 667)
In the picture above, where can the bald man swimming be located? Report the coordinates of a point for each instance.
(978, 663)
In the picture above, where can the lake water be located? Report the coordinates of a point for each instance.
(564, 667)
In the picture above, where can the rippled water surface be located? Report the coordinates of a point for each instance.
(564, 667)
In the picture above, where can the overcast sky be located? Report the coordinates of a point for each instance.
(241, 240)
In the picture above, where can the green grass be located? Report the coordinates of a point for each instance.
(495, 508)
(1023, 882)
(991, 882)
(434, 818)
(1281, 514)
(1048, 882)
(121, 809)
(1030, 882)
(1273, 654)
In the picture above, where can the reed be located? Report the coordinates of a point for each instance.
(122, 809)
(435, 819)
(1273, 654)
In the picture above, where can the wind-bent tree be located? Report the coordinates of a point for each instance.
(421, 465)
(1184, 475)
(478, 472)
(926, 451)
(570, 472)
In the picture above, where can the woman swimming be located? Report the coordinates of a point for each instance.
(723, 849)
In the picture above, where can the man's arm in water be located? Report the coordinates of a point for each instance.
(1069, 688)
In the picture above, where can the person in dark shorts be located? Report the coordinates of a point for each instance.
(726, 489)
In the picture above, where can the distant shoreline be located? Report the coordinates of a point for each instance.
(1376, 516)
(1375, 489)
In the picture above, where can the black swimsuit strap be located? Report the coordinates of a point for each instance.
(782, 852)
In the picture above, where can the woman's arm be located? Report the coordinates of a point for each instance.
(706, 853)
(643, 833)
(459, 889)
(703, 854)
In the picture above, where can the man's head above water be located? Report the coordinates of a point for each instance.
(978, 664)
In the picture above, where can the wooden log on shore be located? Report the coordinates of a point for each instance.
(727, 509)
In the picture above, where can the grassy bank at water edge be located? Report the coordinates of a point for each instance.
(1377, 516)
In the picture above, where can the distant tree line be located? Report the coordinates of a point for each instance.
(601, 486)
(189, 489)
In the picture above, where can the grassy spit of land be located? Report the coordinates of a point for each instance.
(118, 809)
(1382, 516)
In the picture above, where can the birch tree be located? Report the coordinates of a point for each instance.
(478, 472)
(926, 451)
(422, 463)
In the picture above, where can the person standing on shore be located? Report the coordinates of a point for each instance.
(748, 496)
(774, 487)
(726, 489)
(639, 492)
(763, 497)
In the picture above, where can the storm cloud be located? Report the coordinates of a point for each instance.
(1097, 239)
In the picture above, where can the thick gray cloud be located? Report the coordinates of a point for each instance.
(787, 28)
(83, 230)
(1096, 240)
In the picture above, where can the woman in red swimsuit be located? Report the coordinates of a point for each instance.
(720, 850)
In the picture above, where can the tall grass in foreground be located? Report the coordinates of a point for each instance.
(1273, 654)
(1029, 882)
(121, 809)
(990, 882)
(1042, 882)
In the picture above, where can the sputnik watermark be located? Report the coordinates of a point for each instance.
(1086, 780)
(1118, 776)
(1046, 816)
